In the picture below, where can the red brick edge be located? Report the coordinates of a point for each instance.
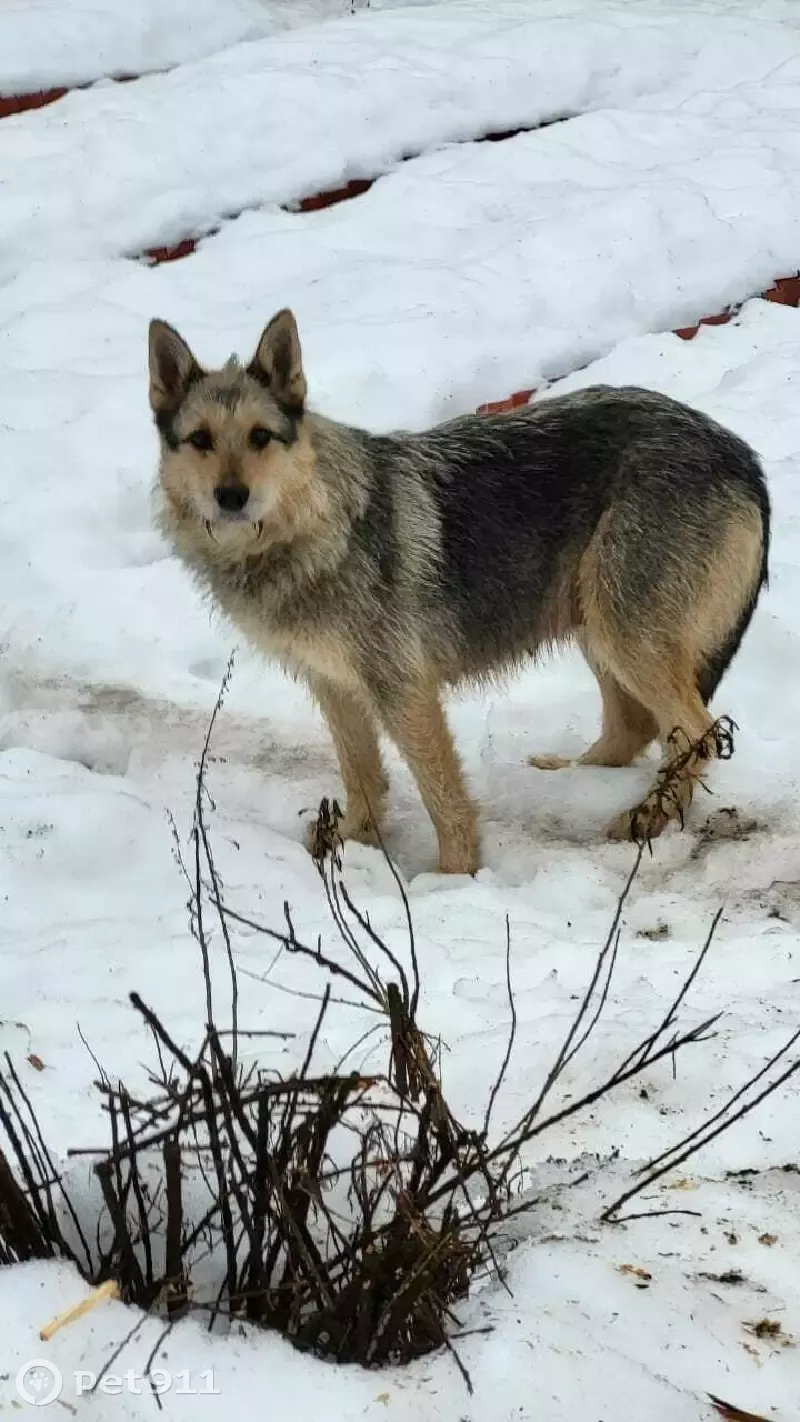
(157, 255)
(19, 103)
(354, 188)
(40, 98)
(315, 203)
(785, 292)
(496, 407)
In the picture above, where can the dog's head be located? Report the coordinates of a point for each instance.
(235, 455)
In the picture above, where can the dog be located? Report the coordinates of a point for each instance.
(384, 569)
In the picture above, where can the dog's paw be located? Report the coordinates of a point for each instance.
(640, 825)
(363, 832)
(461, 856)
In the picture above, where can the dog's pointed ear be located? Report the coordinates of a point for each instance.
(278, 363)
(173, 368)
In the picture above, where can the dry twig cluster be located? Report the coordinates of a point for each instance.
(349, 1211)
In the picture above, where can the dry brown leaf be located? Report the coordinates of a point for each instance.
(636, 1271)
(764, 1328)
(734, 1414)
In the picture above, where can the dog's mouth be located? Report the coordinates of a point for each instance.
(257, 527)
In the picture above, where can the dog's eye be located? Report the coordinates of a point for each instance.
(200, 439)
(260, 437)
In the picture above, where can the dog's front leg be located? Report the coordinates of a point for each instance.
(355, 738)
(416, 722)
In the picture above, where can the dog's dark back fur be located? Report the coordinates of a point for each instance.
(382, 567)
(520, 495)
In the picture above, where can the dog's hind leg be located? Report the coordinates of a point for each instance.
(416, 722)
(628, 728)
(684, 725)
(355, 738)
(655, 666)
(665, 685)
(665, 628)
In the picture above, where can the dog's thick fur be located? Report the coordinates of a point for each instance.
(385, 568)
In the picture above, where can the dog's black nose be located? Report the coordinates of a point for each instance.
(232, 497)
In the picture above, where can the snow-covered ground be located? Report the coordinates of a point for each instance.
(45, 43)
(462, 275)
(682, 131)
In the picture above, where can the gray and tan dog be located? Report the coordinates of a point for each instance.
(385, 568)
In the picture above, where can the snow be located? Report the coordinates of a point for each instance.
(44, 43)
(577, 1338)
(463, 274)
(312, 108)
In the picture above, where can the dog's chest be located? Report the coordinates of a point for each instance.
(311, 648)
